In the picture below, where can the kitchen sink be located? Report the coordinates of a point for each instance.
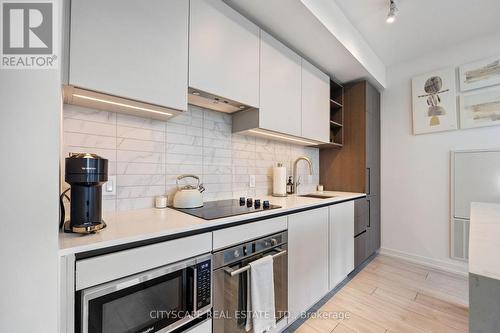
(317, 196)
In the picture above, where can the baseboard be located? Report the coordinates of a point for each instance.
(460, 268)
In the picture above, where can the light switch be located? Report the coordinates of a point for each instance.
(252, 181)
(109, 187)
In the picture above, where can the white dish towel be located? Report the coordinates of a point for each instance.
(262, 309)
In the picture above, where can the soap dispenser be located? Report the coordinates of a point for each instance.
(289, 186)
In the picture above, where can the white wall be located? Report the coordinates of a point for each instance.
(416, 169)
(30, 109)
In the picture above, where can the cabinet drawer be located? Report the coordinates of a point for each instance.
(242, 233)
(361, 216)
(108, 267)
(360, 248)
(203, 327)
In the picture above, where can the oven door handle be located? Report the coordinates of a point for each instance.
(234, 272)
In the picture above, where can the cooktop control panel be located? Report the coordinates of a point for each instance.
(225, 208)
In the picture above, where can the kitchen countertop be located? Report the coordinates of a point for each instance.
(146, 224)
(484, 240)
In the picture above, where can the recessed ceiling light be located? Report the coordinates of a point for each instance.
(196, 93)
(391, 17)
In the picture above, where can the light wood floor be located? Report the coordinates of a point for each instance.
(390, 295)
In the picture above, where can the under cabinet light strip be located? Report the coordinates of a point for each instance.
(283, 137)
(121, 104)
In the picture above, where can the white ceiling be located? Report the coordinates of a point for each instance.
(293, 24)
(421, 25)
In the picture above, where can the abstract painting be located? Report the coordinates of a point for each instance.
(480, 74)
(481, 108)
(434, 102)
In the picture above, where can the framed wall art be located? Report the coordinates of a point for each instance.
(480, 108)
(480, 74)
(434, 102)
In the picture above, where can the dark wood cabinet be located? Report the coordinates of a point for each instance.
(373, 166)
(360, 248)
(361, 230)
(361, 216)
(356, 167)
(373, 229)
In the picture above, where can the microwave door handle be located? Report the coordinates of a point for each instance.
(234, 272)
(195, 289)
(195, 286)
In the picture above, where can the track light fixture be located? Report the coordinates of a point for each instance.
(391, 17)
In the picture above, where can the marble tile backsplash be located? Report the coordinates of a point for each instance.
(147, 155)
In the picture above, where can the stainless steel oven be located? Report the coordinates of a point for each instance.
(159, 300)
(230, 281)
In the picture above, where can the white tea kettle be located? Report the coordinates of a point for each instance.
(188, 196)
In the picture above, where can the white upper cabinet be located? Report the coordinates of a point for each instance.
(131, 49)
(280, 87)
(315, 103)
(223, 52)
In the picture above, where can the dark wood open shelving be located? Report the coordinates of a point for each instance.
(335, 104)
(335, 124)
(336, 116)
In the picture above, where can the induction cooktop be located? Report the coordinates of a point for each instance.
(225, 208)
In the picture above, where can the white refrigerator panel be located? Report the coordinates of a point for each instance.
(476, 179)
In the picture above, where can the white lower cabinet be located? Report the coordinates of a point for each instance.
(203, 327)
(341, 243)
(307, 259)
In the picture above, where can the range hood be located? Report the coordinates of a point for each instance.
(101, 101)
(213, 102)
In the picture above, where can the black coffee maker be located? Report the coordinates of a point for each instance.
(86, 173)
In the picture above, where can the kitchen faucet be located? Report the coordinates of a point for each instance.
(295, 179)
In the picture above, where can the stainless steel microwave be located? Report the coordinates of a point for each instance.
(158, 300)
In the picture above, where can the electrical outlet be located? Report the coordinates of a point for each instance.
(109, 187)
(251, 183)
